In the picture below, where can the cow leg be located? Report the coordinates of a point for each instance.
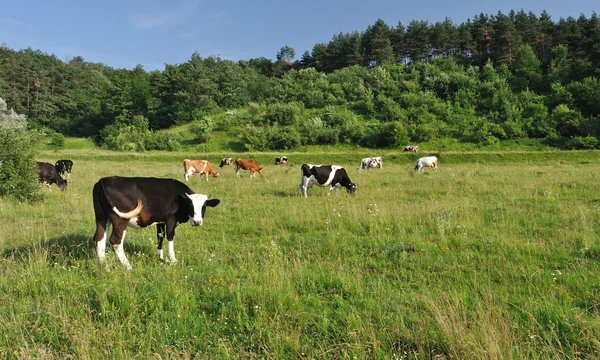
(100, 238)
(206, 174)
(237, 171)
(171, 240)
(160, 234)
(117, 238)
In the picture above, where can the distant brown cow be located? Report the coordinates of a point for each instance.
(198, 166)
(411, 148)
(246, 164)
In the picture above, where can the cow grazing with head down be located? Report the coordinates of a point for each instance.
(48, 175)
(140, 202)
(249, 165)
(428, 161)
(63, 166)
(226, 161)
(281, 160)
(325, 175)
(372, 162)
(199, 167)
(411, 148)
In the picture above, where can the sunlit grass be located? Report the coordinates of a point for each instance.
(492, 260)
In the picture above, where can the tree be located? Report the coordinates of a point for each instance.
(18, 171)
(526, 69)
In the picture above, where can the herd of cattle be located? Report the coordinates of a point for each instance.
(139, 202)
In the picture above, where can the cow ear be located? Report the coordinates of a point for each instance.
(212, 202)
(188, 196)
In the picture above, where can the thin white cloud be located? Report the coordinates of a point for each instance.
(152, 20)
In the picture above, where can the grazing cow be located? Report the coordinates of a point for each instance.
(48, 175)
(62, 166)
(411, 148)
(246, 164)
(428, 161)
(325, 175)
(374, 162)
(140, 202)
(198, 166)
(226, 161)
(282, 160)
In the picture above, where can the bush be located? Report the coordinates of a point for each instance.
(203, 128)
(162, 141)
(18, 170)
(578, 142)
(57, 141)
(284, 114)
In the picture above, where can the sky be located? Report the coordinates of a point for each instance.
(152, 33)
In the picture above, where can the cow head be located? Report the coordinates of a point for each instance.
(351, 188)
(199, 204)
(62, 184)
(259, 170)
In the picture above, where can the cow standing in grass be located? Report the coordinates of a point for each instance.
(249, 165)
(199, 167)
(325, 175)
(140, 202)
(428, 161)
(372, 162)
(48, 175)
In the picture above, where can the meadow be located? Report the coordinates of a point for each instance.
(494, 256)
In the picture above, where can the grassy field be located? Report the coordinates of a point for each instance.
(495, 256)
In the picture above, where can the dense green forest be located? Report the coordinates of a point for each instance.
(490, 78)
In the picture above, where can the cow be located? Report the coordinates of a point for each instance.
(139, 202)
(325, 175)
(198, 166)
(428, 161)
(62, 166)
(226, 161)
(48, 175)
(282, 160)
(372, 162)
(246, 164)
(411, 148)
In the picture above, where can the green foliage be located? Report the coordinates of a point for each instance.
(582, 143)
(284, 113)
(202, 128)
(18, 150)
(270, 138)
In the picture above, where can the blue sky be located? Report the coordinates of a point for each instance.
(152, 33)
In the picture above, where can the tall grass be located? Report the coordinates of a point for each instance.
(483, 259)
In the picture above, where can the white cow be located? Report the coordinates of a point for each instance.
(428, 161)
(374, 162)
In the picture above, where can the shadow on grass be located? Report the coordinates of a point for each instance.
(71, 246)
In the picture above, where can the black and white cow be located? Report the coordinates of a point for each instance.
(140, 202)
(64, 165)
(372, 162)
(226, 162)
(48, 175)
(282, 160)
(333, 176)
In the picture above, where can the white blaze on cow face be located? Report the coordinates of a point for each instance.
(198, 201)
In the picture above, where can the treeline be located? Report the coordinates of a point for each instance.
(489, 78)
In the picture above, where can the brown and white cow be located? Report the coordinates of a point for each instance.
(199, 167)
(139, 202)
(428, 161)
(411, 148)
(246, 164)
(226, 161)
(48, 175)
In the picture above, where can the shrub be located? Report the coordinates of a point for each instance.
(126, 135)
(162, 141)
(18, 171)
(203, 128)
(579, 142)
(284, 114)
(57, 140)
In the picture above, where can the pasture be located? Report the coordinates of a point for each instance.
(494, 256)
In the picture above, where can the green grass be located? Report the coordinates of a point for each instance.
(495, 256)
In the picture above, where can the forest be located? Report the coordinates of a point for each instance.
(490, 78)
